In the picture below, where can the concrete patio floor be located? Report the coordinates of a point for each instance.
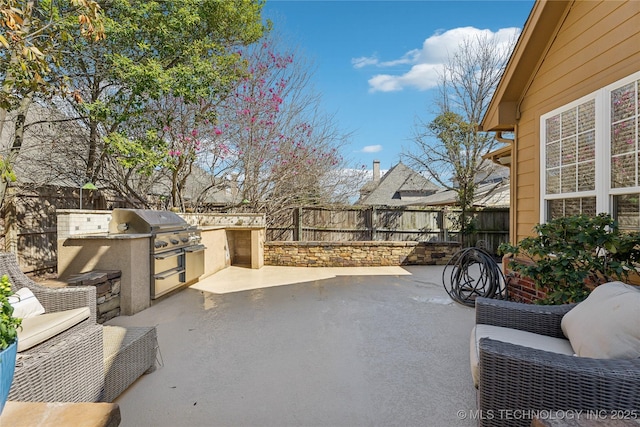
(307, 347)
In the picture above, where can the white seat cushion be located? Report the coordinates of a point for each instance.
(513, 336)
(607, 324)
(40, 328)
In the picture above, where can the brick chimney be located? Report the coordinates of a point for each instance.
(376, 171)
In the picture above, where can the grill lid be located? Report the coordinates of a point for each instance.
(133, 221)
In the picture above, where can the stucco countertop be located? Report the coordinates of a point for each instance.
(211, 227)
(120, 236)
(231, 227)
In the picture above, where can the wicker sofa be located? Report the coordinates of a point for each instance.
(516, 381)
(67, 367)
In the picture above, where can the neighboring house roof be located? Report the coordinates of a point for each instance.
(395, 187)
(488, 194)
(201, 187)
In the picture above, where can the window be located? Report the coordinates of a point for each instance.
(590, 155)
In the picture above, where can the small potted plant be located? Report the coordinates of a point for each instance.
(8, 340)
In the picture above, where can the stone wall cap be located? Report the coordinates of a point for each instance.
(360, 243)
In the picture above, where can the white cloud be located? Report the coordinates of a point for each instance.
(384, 83)
(363, 61)
(371, 149)
(421, 76)
(427, 62)
(408, 58)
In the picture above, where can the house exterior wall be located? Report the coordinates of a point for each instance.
(596, 44)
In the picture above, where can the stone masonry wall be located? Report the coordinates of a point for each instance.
(107, 284)
(358, 254)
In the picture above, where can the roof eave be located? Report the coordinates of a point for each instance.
(501, 156)
(537, 34)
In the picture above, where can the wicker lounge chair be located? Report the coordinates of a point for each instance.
(69, 366)
(517, 381)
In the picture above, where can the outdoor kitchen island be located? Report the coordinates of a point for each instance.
(156, 252)
(91, 240)
(128, 253)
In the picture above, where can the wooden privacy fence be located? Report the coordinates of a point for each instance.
(29, 224)
(390, 224)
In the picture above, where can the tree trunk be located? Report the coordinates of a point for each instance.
(22, 110)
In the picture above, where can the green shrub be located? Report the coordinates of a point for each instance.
(8, 323)
(570, 252)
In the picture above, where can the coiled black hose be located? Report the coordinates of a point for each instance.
(472, 273)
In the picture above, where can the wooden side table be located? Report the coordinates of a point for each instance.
(55, 414)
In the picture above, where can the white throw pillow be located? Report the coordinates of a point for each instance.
(606, 325)
(25, 304)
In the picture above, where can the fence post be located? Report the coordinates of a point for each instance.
(445, 231)
(374, 219)
(297, 224)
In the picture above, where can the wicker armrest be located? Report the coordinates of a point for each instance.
(52, 299)
(58, 299)
(539, 319)
(514, 377)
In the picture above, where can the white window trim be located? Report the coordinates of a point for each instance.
(603, 191)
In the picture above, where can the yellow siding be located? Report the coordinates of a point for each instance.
(596, 45)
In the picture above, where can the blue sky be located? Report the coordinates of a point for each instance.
(375, 60)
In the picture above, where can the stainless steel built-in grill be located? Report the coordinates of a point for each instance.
(177, 256)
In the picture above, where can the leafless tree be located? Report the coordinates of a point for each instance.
(450, 147)
(288, 149)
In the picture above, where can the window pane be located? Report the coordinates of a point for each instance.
(556, 209)
(573, 206)
(553, 181)
(553, 155)
(570, 166)
(587, 146)
(553, 129)
(587, 176)
(623, 137)
(623, 102)
(568, 151)
(627, 210)
(568, 125)
(587, 116)
(623, 171)
(589, 206)
(568, 179)
(570, 146)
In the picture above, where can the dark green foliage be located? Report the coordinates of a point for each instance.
(8, 323)
(570, 252)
